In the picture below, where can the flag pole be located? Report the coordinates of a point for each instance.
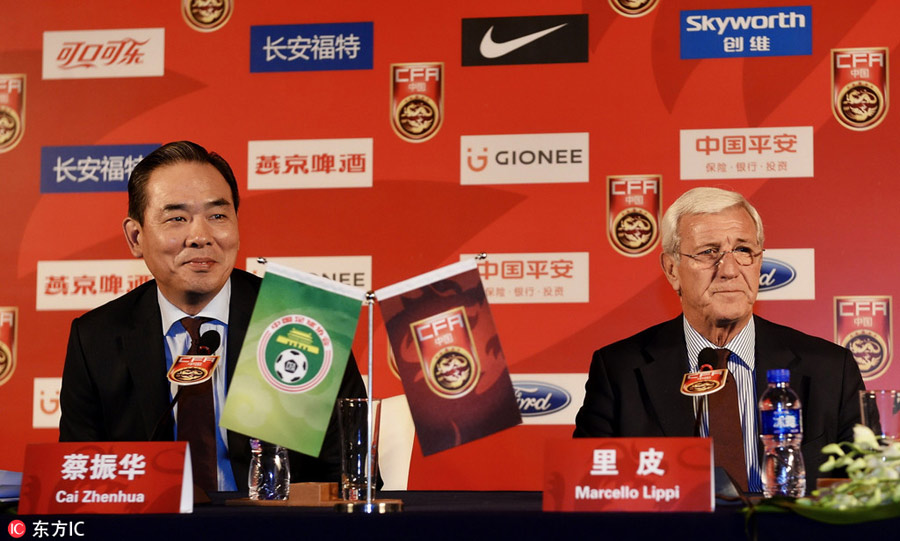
(370, 507)
(370, 300)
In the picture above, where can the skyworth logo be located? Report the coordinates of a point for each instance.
(723, 33)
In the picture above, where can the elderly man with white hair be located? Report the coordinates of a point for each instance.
(712, 243)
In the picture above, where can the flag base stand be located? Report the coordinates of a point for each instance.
(374, 507)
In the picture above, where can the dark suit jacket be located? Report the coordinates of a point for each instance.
(114, 384)
(633, 389)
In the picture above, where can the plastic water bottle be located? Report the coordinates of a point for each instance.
(781, 431)
(270, 472)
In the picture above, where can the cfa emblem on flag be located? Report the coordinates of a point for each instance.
(859, 86)
(417, 100)
(633, 207)
(12, 111)
(447, 352)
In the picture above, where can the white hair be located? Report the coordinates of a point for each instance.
(703, 201)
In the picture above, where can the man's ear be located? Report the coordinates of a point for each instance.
(133, 235)
(670, 269)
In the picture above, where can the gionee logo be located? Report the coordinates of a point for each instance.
(482, 160)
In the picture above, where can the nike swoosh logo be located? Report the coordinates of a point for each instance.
(491, 49)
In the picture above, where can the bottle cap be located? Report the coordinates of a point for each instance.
(779, 375)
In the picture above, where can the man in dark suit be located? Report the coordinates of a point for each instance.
(182, 220)
(712, 252)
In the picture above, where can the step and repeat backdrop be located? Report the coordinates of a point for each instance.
(375, 141)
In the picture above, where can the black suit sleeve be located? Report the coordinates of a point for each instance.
(82, 418)
(596, 418)
(849, 407)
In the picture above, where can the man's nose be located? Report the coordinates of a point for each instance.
(199, 234)
(728, 265)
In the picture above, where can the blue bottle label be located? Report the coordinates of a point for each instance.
(780, 422)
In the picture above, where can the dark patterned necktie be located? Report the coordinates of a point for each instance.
(197, 416)
(725, 422)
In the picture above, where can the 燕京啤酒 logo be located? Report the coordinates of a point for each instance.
(633, 207)
(863, 325)
(8, 323)
(859, 86)
(447, 352)
(295, 353)
(633, 8)
(12, 111)
(417, 100)
(207, 15)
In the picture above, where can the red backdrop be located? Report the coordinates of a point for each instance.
(633, 97)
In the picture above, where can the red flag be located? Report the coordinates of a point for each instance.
(449, 357)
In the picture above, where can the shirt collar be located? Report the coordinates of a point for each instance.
(742, 345)
(216, 309)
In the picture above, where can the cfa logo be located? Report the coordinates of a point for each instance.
(16, 529)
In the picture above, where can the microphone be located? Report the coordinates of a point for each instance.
(705, 360)
(707, 357)
(207, 345)
(209, 342)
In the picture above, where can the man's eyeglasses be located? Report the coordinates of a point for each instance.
(711, 258)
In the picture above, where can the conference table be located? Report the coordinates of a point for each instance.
(434, 515)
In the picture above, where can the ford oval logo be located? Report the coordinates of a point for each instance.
(539, 398)
(775, 274)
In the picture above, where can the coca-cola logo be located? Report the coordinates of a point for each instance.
(775, 274)
(538, 398)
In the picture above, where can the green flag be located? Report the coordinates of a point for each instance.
(290, 368)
